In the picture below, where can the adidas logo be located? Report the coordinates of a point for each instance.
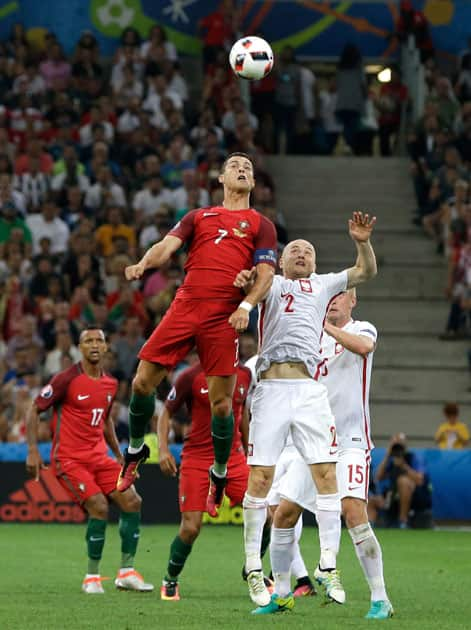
(45, 501)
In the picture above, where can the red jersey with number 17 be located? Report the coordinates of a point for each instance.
(81, 405)
(221, 243)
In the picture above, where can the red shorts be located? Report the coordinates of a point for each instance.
(193, 485)
(84, 479)
(200, 323)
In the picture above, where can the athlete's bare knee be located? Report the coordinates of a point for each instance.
(286, 515)
(222, 407)
(143, 385)
(260, 480)
(325, 478)
(190, 530)
(354, 512)
(133, 501)
(97, 507)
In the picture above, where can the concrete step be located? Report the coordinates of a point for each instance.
(407, 317)
(390, 247)
(418, 421)
(394, 351)
(419, 385)
(397, 282)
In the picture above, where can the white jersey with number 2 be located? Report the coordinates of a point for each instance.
(291, 319)
(347, 377)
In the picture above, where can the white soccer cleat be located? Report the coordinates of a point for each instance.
(92, 585)
(258, 592)
(131, 580)
(330, 580)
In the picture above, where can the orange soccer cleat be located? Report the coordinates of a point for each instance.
(128, 473)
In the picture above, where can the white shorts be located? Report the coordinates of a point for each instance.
(289, 453)
(353, 473)
(297, 485)
(296, 406)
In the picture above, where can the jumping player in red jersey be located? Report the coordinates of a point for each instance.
(191, 389)
(81, 398)
(208, 312)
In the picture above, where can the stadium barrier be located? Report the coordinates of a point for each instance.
(26, 500)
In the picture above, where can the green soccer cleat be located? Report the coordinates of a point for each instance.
(277, 605)
(382, 609)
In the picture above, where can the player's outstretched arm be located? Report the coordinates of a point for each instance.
(360, 227)
(34, 462)
(167, 462)
(154, 257)
(263, 281)
(358, 344)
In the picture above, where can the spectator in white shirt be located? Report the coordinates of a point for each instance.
(105, 192)
(64, 346)
(175, 80)
(157, 38)
(189, 184)
(7, 193)
(48, 224)
(229, 120)
(96, 118)
(159, 89)
(131, 118)
(148, 200)
(128, 85)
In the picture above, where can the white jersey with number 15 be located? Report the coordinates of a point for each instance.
(347, 377)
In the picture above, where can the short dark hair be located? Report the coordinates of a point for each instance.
(451, 409)
(91, 327)
(236, 154)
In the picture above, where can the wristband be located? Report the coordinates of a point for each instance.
(246, 306)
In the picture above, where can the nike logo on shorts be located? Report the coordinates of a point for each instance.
(203, 390)
(350, 488)
(83, 397)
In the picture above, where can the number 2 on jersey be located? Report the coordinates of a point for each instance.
(96, 416)
(289, 302)
(222, 234)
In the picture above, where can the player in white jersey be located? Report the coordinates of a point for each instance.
(348, 349)
(287, 400)
(304, 586)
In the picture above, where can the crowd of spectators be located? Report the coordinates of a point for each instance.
(440, 149)
(98, 160)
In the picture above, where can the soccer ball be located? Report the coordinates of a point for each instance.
(251, 58)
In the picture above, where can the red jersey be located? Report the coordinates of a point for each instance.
(81, 405)
(222, 242)
(191, 389)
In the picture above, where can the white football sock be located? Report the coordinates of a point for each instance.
(281, 556)
(328, 521)
(369, 554)
(255, 514)
(298, 568)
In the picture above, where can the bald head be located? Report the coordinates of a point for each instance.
(298, 259)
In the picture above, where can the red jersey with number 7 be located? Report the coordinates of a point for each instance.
(221, 243)
(81, 404)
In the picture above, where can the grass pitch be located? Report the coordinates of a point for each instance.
(42, 566)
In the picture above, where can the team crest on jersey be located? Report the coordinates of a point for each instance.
(172, 394)
(47, 391)
(305, 286)
(339, 348)
(240, 231)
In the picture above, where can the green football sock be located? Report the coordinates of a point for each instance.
(129, 531)
(222, 432)
(179, 552)
(141, 410)
(266, 535)
(95, 537)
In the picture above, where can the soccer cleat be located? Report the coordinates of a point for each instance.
(91, 584)
(269, 583)
(169, 591)
(128, 471)
(257, 590)
(381, 609)
(215, 494)
(276, 604)
(330, 580)
(131, 580)
(304, 588)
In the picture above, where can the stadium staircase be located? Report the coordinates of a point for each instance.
(415, 372)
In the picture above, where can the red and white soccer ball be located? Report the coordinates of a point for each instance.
(251, 58)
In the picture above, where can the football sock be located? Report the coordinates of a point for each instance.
(328, 520)
(95, 537)
(129, 531)
(141, 410)
(281, 556)
(266, 536)
(369, 554)
(298, 568)
(179, 552)
(222, 432)
(255, 515)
